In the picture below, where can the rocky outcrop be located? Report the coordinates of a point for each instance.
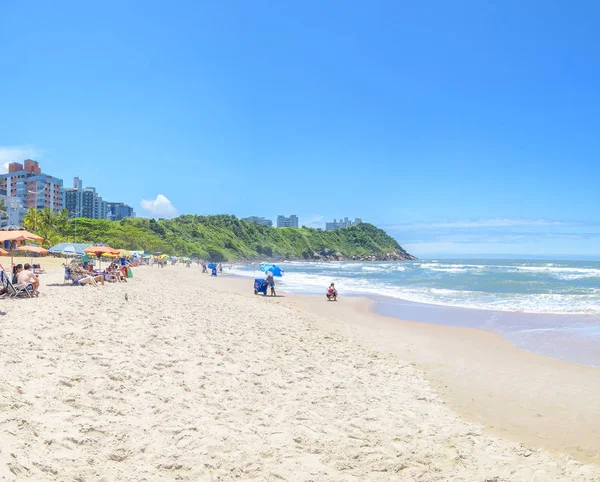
(328, 255)
(393, 256)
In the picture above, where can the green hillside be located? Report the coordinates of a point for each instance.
(225, 237)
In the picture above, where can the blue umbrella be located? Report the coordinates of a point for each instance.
(271, 268)
(72, 249)
(212, 265)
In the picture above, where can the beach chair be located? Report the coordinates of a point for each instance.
(11, 291)
(3, 284)
(68, 275)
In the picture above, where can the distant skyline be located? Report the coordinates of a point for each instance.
(464, 129)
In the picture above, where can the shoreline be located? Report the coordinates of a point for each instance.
(516, 394)
(531, 331)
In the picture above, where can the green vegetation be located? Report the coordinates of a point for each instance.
(223, 237)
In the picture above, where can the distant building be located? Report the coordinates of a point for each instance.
(257, 220)
(31, 186)
(287, 222)
(342, 223)
(118, 211)
(15, 210)
(85, 202)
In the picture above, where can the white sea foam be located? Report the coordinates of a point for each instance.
(396, 281)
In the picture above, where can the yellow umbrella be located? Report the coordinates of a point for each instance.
(125, 253)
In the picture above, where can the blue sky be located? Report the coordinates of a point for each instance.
(461, 127)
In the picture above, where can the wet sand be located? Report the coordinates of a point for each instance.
(525, 397)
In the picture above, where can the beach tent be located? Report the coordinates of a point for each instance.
(69, 249)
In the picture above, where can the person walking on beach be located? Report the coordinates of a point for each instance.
(220, 268)
(271, 283)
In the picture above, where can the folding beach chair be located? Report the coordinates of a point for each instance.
(11, 290)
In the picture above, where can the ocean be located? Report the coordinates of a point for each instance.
(548, 307)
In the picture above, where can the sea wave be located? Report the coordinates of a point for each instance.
(559, 301)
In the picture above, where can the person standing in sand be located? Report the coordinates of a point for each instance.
(271, 282)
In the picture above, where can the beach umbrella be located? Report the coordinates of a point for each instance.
(100, 250)
(69, 249)
(212, 265)
(18, 235)
(271, 268)
(3, 252)
(33, 249)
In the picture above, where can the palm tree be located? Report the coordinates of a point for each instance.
(30, 220)
(46, 224)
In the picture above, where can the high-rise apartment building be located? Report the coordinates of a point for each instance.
(118, 211)
(85, 202)
(287, 222)
(29, 184)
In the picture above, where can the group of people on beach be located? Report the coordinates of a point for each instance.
(84, 273)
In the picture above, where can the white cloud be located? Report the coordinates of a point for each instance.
(482, 223)
(10, 154)
(160, 207)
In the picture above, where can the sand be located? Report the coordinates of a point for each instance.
(186, 380)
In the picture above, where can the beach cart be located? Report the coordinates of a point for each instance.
(260, 286)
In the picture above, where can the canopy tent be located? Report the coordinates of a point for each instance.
(72, 249)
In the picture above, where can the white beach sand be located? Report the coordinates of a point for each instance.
(185, 381)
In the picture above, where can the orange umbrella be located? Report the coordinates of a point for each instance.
(19, 236)
(33, 249)
(3, 252)
(98, 250)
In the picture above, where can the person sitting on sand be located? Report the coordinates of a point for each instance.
(83, 277)
(26, 277)
(271, 283)
(332, 293)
